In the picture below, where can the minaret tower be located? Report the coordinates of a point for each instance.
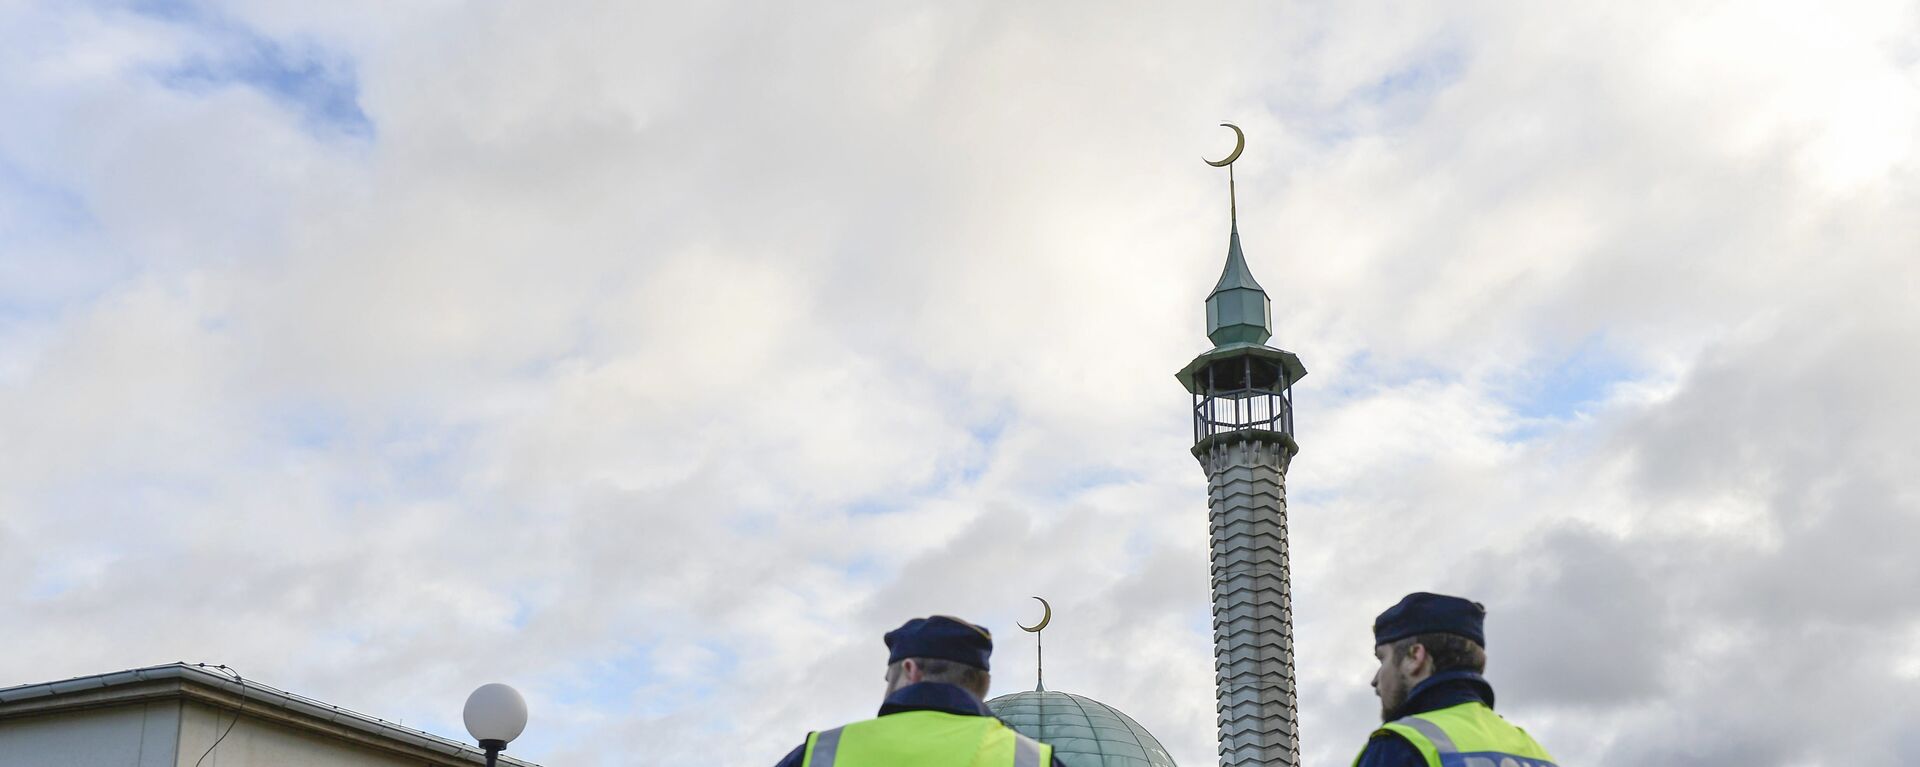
(1243, 437)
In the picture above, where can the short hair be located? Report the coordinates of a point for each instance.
(1450, 652)
(969, 678)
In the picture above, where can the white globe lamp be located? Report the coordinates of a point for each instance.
(496, 714)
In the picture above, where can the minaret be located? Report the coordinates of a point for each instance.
(1243, 437)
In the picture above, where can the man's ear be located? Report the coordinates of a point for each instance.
(1417, 660)
(911, 672)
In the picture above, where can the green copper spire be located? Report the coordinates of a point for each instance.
(1238, 310)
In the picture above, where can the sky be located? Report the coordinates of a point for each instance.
(655, 359)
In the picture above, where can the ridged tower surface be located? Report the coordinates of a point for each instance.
(1252, 601)
(1083, 732)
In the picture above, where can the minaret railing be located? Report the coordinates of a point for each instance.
(1242, 394)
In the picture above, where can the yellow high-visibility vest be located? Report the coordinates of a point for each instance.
(1467, 735)
(925, 739)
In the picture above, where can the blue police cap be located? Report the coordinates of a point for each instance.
(1424, 613)
(943, 637)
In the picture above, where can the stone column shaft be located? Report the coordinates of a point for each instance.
(1252, 601)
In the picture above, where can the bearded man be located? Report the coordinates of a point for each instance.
(1436, 708)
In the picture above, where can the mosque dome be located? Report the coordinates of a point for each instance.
(1083, 732)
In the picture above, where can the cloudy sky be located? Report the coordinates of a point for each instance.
(655, 359)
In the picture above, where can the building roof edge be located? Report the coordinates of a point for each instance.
(179, 679)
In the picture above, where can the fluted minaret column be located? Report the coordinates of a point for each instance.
(1252, 602)
(1243, 437)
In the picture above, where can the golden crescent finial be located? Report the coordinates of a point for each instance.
(1239, 143)
(1044, 619)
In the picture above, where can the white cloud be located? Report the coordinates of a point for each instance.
(658, 359)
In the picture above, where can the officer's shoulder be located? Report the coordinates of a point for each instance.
(1387, 748)
(1387, 734)
(797, 756)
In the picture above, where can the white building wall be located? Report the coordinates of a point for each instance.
(136, 735)
(258, 743)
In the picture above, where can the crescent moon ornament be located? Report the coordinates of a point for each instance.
(1239, 143)
(1043, 619)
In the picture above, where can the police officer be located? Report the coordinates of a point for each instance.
(1437, 708)
(932, 716)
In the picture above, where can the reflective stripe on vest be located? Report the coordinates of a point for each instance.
(1026, 751)
(1467, 735)
(961, 738)
(826, 747)
(1435, 735)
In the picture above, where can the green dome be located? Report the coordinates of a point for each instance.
(1083, 732)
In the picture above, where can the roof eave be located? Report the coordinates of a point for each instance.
(180, 680)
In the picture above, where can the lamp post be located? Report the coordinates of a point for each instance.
(495, 716)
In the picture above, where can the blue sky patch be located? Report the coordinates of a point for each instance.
(1561, 389)
(1367, 374)
(320, 85)
(1421, 79)
(170, 10)
(1394, 99)
(876, 505)
(1075, 482)
(54, 206)
(610, 683)
(866, 568)
(51, 253)
(311, 426)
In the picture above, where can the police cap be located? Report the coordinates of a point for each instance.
(943, 637)
(1424, 613)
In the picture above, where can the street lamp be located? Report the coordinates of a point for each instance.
(495, 716)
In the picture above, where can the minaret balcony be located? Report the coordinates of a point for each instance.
(1242, 390)
(1245, 410)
